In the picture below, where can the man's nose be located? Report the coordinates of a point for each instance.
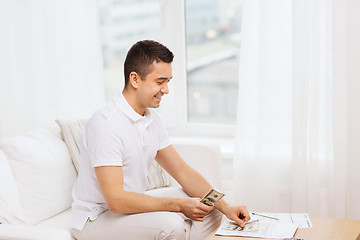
(165, 89)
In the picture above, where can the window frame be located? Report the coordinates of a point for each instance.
(175, 106)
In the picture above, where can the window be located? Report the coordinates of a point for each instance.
(205, 38)
(212, 48)
(122, 23)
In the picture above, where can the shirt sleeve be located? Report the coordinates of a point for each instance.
(103, 144)
(164, 140)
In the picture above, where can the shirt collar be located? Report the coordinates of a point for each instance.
(129, 111)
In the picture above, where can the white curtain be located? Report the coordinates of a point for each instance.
(298, 130)
(50, 62)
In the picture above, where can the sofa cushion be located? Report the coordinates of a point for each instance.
(43, 172)
(71, 132)
(62, 220)
(157, 177)
(10, 207)
(23, 232)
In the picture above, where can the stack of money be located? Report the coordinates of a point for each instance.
(212, 197)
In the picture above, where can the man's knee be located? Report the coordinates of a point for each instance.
(215, 217)
(173, 228)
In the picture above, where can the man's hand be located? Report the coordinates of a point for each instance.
(239, 214)
(194, 209)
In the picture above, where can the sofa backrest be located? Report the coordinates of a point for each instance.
(43, 172)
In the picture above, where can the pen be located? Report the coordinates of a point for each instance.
(265, 216)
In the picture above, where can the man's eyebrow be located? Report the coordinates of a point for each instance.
(164, 78)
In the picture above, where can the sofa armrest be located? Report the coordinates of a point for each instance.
(24, 232)
(203, 158)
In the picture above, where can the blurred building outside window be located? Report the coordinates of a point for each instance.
(122, 23)
(212, 50)
(213, 46)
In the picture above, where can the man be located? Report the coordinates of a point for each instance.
(119, 144)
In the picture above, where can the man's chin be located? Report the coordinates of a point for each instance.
(155, 105)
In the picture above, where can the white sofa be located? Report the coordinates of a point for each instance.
(37, 175)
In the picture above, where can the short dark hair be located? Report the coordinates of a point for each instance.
(142, 54)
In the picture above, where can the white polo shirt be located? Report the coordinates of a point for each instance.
(116, 135)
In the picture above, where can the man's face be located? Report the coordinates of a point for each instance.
(155, 85)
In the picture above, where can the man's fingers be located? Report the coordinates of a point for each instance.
(200, 213)
(200, 219)
(247, 215)
(240, 223)
(205, 208)
(244, 214)
(244, 217)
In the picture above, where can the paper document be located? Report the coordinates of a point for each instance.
(267, 225)
(302, 219)
(262, 230)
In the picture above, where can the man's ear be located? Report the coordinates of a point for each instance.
(134, 79)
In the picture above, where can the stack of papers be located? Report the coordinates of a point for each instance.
(267, 225)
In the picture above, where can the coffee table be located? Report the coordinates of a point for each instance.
(323, 228)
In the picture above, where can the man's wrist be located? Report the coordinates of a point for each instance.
(222, 206)
(173, 204)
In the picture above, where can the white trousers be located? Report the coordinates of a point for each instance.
(149, 226)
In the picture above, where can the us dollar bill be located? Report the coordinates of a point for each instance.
(249, 226)
(212, 197)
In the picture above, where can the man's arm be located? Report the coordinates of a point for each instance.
(111, 183)
(195, 185)
(191, 181)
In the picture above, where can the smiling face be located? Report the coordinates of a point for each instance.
(149, 91)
